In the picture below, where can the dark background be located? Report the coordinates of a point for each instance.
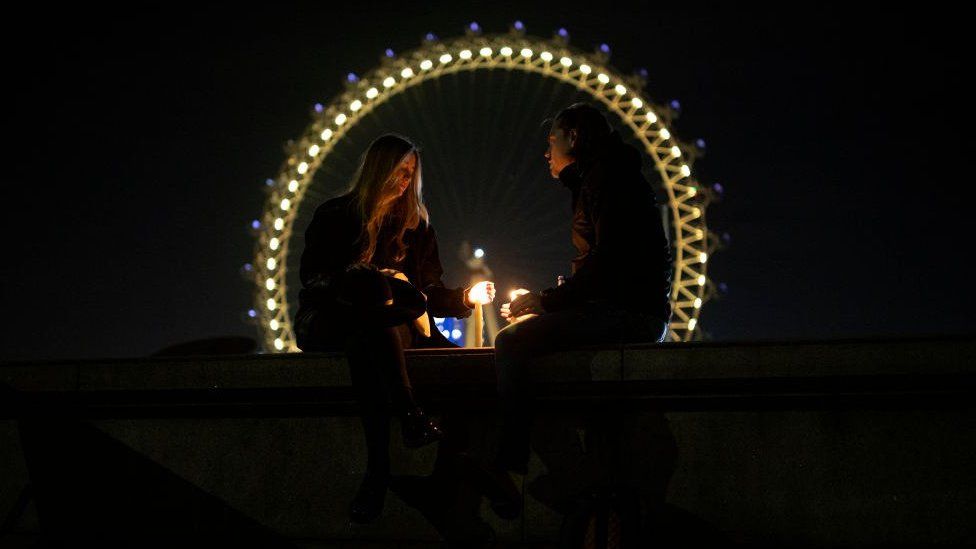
(139, 141)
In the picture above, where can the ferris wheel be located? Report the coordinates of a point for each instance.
(591, 74)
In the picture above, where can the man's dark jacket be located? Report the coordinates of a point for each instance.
(623, 258)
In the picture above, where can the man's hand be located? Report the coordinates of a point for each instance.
(525, 304)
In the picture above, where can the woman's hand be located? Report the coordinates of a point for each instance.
(524, 303)
(482, 292)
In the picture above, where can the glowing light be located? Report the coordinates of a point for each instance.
(340, 119)
(426, 65)
(685, 170)
(302, 167)
(446, 58)
(455, 333)
(703, 257)
(406, 73)
(620, 89)
(566, 62)
(252, 313)
(675, 152)
(701, 280)
(585, 69)
(665, 134)
(546, 56)
(285, 204)
(696, 212)
(292, 186)
(326, 135)
(479, 253)
(269, 284)
(388, 82)
(446, 334)
(279, 224)
(692, 323)
(272, 264)
(604, 79)
(274, 243)
(506, 51)
(274, 324)
(355, 105)
(698, 303)
(279, 344)
(526, 53)
(479, 293)
(651, 117)
(372, 93)
(465, 54)
(692, 191)
(314, 150)
(271, 304)
(637, 103)
(515, 293)
(485, 52)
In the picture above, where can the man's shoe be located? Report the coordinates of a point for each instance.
(419, 430)
(368, 503)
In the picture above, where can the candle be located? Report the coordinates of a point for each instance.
(479, 321)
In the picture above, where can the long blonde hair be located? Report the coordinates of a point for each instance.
(373, 196)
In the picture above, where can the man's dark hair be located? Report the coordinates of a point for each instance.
(590, 125)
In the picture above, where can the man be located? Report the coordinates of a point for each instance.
(619, 290)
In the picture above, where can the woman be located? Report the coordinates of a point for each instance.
(372, 280)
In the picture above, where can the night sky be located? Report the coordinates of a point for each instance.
(138, 144)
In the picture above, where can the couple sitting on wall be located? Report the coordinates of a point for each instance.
(371, 255)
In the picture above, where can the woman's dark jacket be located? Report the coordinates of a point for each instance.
(333, 243)
(623, 254)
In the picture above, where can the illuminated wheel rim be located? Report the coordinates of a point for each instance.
(551, 59)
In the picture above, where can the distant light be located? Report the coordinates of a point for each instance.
(685, 170)
(292, 186)
(723, 287)
(585, 69)
(269, 284)
(526, 52)
(726, 237)
(455, 333)
(272, 264)
(620, 89)
(676, 152)
(279, 224)
(269, 182)
(562, 32)
(701, 280)
(314, 149)
(340, 119)
(604, 79)
(485, 52)
(355, 105)
(446, 334)
(675, 104)
(519, 26)
(546, 56)
(273, 324)
(274, 243)
(479, 253)
(642, 72)
(692, 191)
(390, 53)
(700, 143)
(651, 117)
(279, 344)
(326, 134)
(248, 267)
(446, 58)
(605, 48)
(285, 204)
(465, 54)
(665, 134)
(426, 64)
(430, 37)
(718, 188)
(703, 257)
(319, 107)
(637, 103)
(372, 93)
(506, 51)
(474, 26)
(252, 313)
(566, 62)
(271, 304)
(255, 224)
(692, 323)
(406, 73)
(351, 77)
(302, 168)
(696, 212)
